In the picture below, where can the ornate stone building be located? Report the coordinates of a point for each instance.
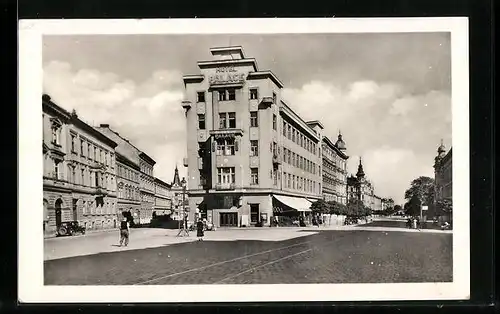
(334, 170)
(79, 164)
(163, 198)
(137, 189)
(443, 175)
(360, 188)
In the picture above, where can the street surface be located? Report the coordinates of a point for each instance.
(341, 254)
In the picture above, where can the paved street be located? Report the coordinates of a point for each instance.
(253, 256)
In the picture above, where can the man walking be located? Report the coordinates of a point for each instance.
(124, 231)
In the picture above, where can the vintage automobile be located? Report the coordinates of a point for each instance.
(69, 228)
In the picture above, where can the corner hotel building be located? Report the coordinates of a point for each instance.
(249, 155)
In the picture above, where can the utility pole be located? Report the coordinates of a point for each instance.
(183, 228)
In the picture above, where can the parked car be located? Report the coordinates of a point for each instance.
(69, 228)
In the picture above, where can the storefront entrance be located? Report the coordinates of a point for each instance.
(229, 219)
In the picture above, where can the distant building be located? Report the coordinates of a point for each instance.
(377, 204)
(443, 175)
(334, 170)
(249, 155)
(127, 174)
(178, 193)
(163, 198)
(358, 187)
(79, 165)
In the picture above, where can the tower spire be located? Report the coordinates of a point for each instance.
(177, 181)
(360, 173)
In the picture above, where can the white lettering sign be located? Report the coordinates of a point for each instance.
(226, 75)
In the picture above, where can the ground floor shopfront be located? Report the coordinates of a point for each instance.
(247, 209)
(95, 212)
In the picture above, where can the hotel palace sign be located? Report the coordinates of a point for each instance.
(226, 75)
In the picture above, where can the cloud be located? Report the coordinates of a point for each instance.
(378, 118)
(147, 113)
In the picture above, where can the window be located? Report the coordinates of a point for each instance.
(289, 157)
(222, 95)
(73, 175)
(225, 147)
(201, 97)
(73, 142)
(274, 98)
(293, 135)
(254, 94)
(289, 135)
(254, 120)
(254, 148)
(232, 120)
(89, 156)
(225, 175)
(231, 94)
(95, 153)
(274, 122)
(275, 149)
(201, 121)
(222, 120)
(293, 182)
(284, 128)
(81, 147)
(254, 176)
(83, 176)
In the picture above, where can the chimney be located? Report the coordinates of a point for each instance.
(104, 125)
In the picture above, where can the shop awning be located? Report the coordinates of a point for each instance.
(298, 203)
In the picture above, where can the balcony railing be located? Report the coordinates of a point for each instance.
(276, 159)
(225, 186)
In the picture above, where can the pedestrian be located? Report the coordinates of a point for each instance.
(124, 231)
(199, 230)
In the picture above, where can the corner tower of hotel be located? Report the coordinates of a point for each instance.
(249, 155)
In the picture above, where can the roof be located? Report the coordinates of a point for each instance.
(294, 115)
(126, 161)
(265, 74)
(144, 156)
(72, 118)
(334, 147)
(161, 182)
(315, 122)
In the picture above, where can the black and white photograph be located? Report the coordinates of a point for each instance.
(303, 159)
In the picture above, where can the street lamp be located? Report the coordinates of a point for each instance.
(183, 229)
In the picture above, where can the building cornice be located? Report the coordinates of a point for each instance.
(291, 115)
(148, 159)
(126, 161)
(265, 74)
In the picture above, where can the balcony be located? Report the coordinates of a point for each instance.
(225, 186)
(266, 102)
(276, 159)
(225, 133)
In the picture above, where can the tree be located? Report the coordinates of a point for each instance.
(444, 207)
(397, 208)
(355, 208)
(422, 188)
(320, 207)
(412, 207)
(337, 208)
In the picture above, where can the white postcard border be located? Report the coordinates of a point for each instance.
(30, 243)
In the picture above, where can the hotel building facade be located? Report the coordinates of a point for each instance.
(334, 170)
(249, 155)
(79, 165)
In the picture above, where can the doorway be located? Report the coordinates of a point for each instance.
(58, 213)
(228, 219)
(254, 214)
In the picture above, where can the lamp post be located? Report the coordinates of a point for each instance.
(183, 229)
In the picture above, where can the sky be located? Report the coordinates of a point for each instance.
(389, 94)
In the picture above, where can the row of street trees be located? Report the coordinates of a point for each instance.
(422, 193)
(354, 208)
